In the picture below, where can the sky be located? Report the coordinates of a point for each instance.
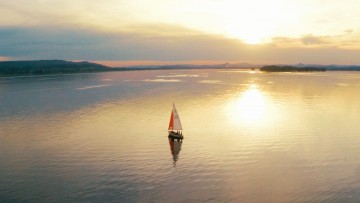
(131, 32)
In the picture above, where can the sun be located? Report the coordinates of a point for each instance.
(248, 29)
(253, 40)
(246, 36)
(253, 22)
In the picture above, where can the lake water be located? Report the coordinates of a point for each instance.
(249, 137)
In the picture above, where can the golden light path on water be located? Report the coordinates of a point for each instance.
(251, 107)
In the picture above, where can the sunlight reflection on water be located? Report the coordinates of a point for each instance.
(249, 107)
(249, 137)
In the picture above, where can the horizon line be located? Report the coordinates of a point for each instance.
(130, 63)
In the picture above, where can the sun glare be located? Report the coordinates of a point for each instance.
(257, 21)
(251, 107)
(248, 37)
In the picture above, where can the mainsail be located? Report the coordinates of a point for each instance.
(174, 123)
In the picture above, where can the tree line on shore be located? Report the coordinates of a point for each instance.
(47, 67)
(274, 68)
(44, 67)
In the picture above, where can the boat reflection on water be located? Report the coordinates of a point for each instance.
(175, 147)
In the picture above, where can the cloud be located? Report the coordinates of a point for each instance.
(284, 41)
(88, 44)
(313, 40)
(349, 39)
(162, 42)
(307, 40)
(109, 14)
(5, 58)
(348, 31)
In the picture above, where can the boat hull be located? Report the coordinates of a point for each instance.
(174, 135)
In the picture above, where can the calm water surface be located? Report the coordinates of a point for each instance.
(249, 137)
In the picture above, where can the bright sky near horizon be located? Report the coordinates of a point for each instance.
(256, 31)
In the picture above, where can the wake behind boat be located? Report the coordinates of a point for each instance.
(175, 128)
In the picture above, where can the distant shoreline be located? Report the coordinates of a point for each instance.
(56, 67)
(59, 67)
(292, 69)
(125, 69)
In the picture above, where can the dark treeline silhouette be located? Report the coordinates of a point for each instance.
(42, 67)
(343, 68)
(274, 68)
(46, 67)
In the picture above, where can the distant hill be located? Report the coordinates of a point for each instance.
(42, 67)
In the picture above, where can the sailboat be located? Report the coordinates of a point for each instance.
(175, 125)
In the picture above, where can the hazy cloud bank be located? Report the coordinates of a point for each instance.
(162, 43)
(349, 39)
